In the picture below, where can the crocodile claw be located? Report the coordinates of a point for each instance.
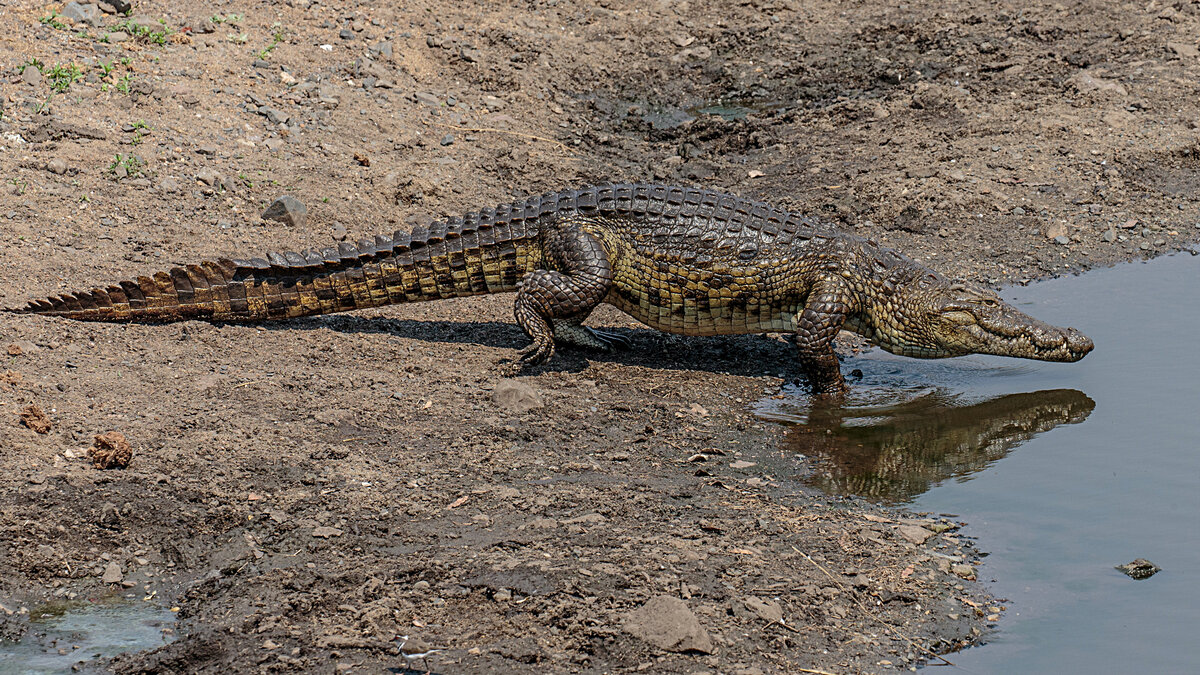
(609, 339)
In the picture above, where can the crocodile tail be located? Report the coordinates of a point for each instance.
(425, 264)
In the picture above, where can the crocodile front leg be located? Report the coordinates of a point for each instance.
(816, 327)
(562, 297)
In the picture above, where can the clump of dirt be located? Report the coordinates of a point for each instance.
(33, 418)
(110, 451)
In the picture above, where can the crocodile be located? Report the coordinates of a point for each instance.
(680, 259)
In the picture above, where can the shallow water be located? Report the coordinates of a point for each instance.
(1062, 470)
(84, 632)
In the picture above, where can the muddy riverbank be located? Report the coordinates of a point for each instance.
(303, 491)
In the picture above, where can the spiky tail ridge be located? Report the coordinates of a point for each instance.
(480, 253)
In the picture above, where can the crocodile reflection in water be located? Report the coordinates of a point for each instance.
(894, 453)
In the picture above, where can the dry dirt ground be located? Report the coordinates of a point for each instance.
(303, 491)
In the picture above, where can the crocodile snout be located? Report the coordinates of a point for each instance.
(1078, 343)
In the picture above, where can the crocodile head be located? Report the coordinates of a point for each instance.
(936, 318)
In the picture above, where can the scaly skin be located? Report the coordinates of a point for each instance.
(683, 260)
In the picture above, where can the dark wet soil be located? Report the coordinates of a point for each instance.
(304, 491)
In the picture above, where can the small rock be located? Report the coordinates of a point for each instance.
(110, 514)
(31, 75)
(117, 6)
(33, 417)
(914, 533)
(767, 610)
(275, 115)
(426, 98)
(168, 184)
(963, 570)
(1110, 235)
(56, 166)
(1139, 569)
(270, 644)
(382, 49)
(110, 451)
(338, 232)
(667, 623)
(516, 396)
(741, 464)
(493, 103)
(1056, 230)
(89, 14)
(209, 150)
(448, 139)
(325, 532)
(112, 574)
(1062, 240)
(346, 34)
(288, 210)
(208, 176)
(287, 78)
(502, 595)
(1018, 211)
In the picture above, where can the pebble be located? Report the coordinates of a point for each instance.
(56, 166)
(118, 6)
(207, 149)
(427, 98)
(448, 139)
(262, 63)
(276, 116)
(1062, 239)
(31, 75)
(168, 184)
(914, 533)
(288, 210)
(383, 49)
(338, 232)
(346, 34)
(1110, 235)
(89, 14)
(667, 623)
(516, 396)
(502, 595)
(208, 176)
(325, 532)
(1018, 211)
(112, 574)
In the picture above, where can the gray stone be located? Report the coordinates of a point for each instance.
(667, 623)
(117, 6)
(448, 139)
(767, 610)
(427, 98)
(516, 396)
(31, 75)
(149, 23)
(207, 149)
(56, 166)
(117, 36)
(288, 210)
(262, 63)
(112, 574)
(338, 232)
(914, 533)
(208, 176)
(89, 14)
(168, 184)
(275, 115)
(1110, 235)
(1018, 211)
(1062, 240)
(346, 34)
(383, 49)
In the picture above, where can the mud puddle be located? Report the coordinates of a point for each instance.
(1062, 471)
(61, 636)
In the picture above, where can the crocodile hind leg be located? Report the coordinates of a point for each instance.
(816, 327)
(557, 300)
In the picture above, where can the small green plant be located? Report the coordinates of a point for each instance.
(19, 184)
(52, 20)
(139, 132)
(106, 67)
(125, 165)
(231, 19)
(276, 40)
(122, 85)
(238, 38)
(61, 76)
(33, 62)
(246, 180)
(127, 61)
(145, 33)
